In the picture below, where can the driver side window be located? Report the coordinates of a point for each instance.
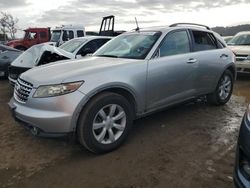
(174, 43)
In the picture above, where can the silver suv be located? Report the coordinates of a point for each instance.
(131, 76)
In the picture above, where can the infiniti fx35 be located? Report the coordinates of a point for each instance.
(139, 72)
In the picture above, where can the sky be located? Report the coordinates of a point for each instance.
(89, 13)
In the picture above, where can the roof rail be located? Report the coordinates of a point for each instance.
(176, 24)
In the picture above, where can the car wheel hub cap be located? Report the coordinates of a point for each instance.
(109, 124)
(225, 87)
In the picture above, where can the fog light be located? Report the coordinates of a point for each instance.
(35, 131)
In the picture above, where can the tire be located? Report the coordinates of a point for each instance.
(104, 123)
(223, 90)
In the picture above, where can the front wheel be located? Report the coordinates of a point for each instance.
(223, 90)
(105, 122)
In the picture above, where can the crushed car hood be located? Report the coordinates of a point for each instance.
(69, 71)
(242, 50)
(30, 58)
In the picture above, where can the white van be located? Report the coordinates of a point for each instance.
(64, 33)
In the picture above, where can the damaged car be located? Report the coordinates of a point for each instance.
(44, 53)
(6, 58)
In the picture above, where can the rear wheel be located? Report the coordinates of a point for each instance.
(105, 123)
(223, 90)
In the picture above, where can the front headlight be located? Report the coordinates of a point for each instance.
(56, 90)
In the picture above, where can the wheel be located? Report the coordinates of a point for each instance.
(223, 90)
(105, 122)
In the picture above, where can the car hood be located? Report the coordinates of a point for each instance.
(242, 50)
(73, 70)
(30, 58)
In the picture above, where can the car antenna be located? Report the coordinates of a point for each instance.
(137, 26)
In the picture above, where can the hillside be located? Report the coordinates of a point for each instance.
(230, 31)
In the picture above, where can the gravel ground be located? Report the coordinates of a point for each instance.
(191, 145)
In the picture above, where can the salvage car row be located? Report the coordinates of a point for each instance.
(96, 98)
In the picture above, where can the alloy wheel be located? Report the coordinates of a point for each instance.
(109, 124)
(225, 87)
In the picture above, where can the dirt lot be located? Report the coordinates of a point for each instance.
(191, 145)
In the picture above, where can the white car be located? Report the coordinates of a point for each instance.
(240, 45)
(44, 53)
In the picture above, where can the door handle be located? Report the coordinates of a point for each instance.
(192, 60)
(223, 56)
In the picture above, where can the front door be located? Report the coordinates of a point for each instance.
(172, 72)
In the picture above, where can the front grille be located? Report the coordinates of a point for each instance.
(22, 90)
(14, 72)
(241, 57)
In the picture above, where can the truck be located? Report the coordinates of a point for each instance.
(31, 37)
(66, 32)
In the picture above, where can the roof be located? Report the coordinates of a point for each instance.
(92, 37)
(80, 27)
(177, 25)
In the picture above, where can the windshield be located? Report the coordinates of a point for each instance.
(72, 45)
(242, 39)
(56, 34)
(132, 45)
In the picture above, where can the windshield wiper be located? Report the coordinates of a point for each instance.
(114, 56)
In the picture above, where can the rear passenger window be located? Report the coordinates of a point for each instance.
(203, 41)
(175, 43)
(71, 34)
(80, 33)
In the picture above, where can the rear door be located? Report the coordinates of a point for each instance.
(172, 72)
(211, 56)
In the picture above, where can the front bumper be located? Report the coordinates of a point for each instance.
(12, 81)
(52, 115)
(3, 70)
(243, 152)
(243, 67)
